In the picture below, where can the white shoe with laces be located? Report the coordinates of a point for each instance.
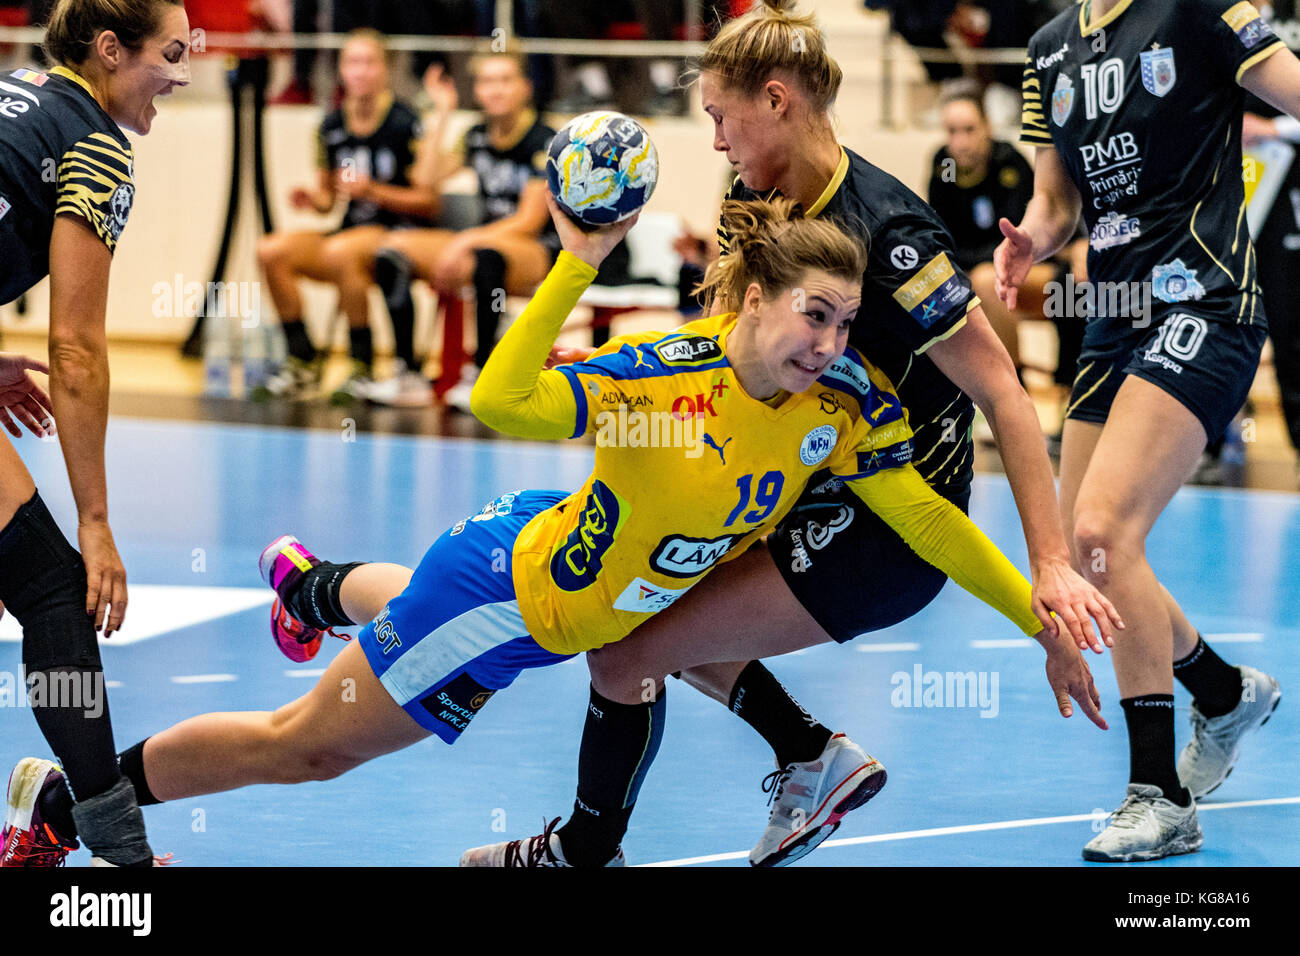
(541, 850)
(1215, 746)
(1146, 826)
(810, 799)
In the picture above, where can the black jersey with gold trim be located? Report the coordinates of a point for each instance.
(384, 156)
(913, 295)
(1144, 107)
(60, 154)
(504, 170)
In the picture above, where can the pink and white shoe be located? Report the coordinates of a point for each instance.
(283, 563)
(810, 800)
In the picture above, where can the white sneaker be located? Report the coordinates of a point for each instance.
(541, 850)
(1146, 827)
(294, 379)
(457, 396)
(406, 389)
(812, 798)
(1210, 755)
(356, 387)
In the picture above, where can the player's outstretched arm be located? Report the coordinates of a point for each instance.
(513, 394)
(937, 530)
(1048, 225)
(79, 264)
(977, 363)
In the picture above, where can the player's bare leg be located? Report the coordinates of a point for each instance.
(345, 720)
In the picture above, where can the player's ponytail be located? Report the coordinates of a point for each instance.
(771, 243)
(774, 39)
(75, 25)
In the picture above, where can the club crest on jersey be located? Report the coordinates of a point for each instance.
(818, 444)
(1158, 71)
(1175, 283)
(119, 208)
(1062, 100)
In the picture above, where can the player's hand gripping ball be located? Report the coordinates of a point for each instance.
(602, 167)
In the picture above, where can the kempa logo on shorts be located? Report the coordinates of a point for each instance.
(4, 207)
(78, 909)
(818, 444)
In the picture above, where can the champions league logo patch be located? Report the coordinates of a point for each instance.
(1158, 72)
(119, 207)
(1175, 283)
(1062, 100)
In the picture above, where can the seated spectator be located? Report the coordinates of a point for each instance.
(368, 151)
(509, 254)
(977, 181)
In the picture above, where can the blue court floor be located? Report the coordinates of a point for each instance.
(1006, 781)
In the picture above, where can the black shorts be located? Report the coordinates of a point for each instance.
(1206, 364)
(850, 570)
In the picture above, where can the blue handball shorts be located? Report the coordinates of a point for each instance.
(455, 637)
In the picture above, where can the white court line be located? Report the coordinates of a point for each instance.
(971, 828)
(1234, 638)
(305, 672)
(204, 679)
(113, 683)
(886, 648)
(1005, 642)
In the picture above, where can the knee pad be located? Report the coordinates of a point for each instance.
(43, 584)
(393, 272)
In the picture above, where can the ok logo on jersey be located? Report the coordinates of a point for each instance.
(576, 563)
(694, 406)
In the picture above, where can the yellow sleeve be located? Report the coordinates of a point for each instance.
(94, 184)
(513, 394)
(937, 530)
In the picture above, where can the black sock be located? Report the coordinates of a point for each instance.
(393, 276)
(489, 294)
(131, 761)
(316, 601)
(762, 701)
(82, 743)
(297, 341)
(361, 346)
(619, 742)
(56, 803)
(1150, 720)
(1215, 685)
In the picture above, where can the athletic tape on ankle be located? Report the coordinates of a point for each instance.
(112, 826)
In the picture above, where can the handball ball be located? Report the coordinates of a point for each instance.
(602, 167)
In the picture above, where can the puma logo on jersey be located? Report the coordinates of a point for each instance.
(708, 440)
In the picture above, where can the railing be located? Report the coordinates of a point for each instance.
(891, 53)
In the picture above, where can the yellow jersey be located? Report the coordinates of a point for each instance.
(690, 470)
